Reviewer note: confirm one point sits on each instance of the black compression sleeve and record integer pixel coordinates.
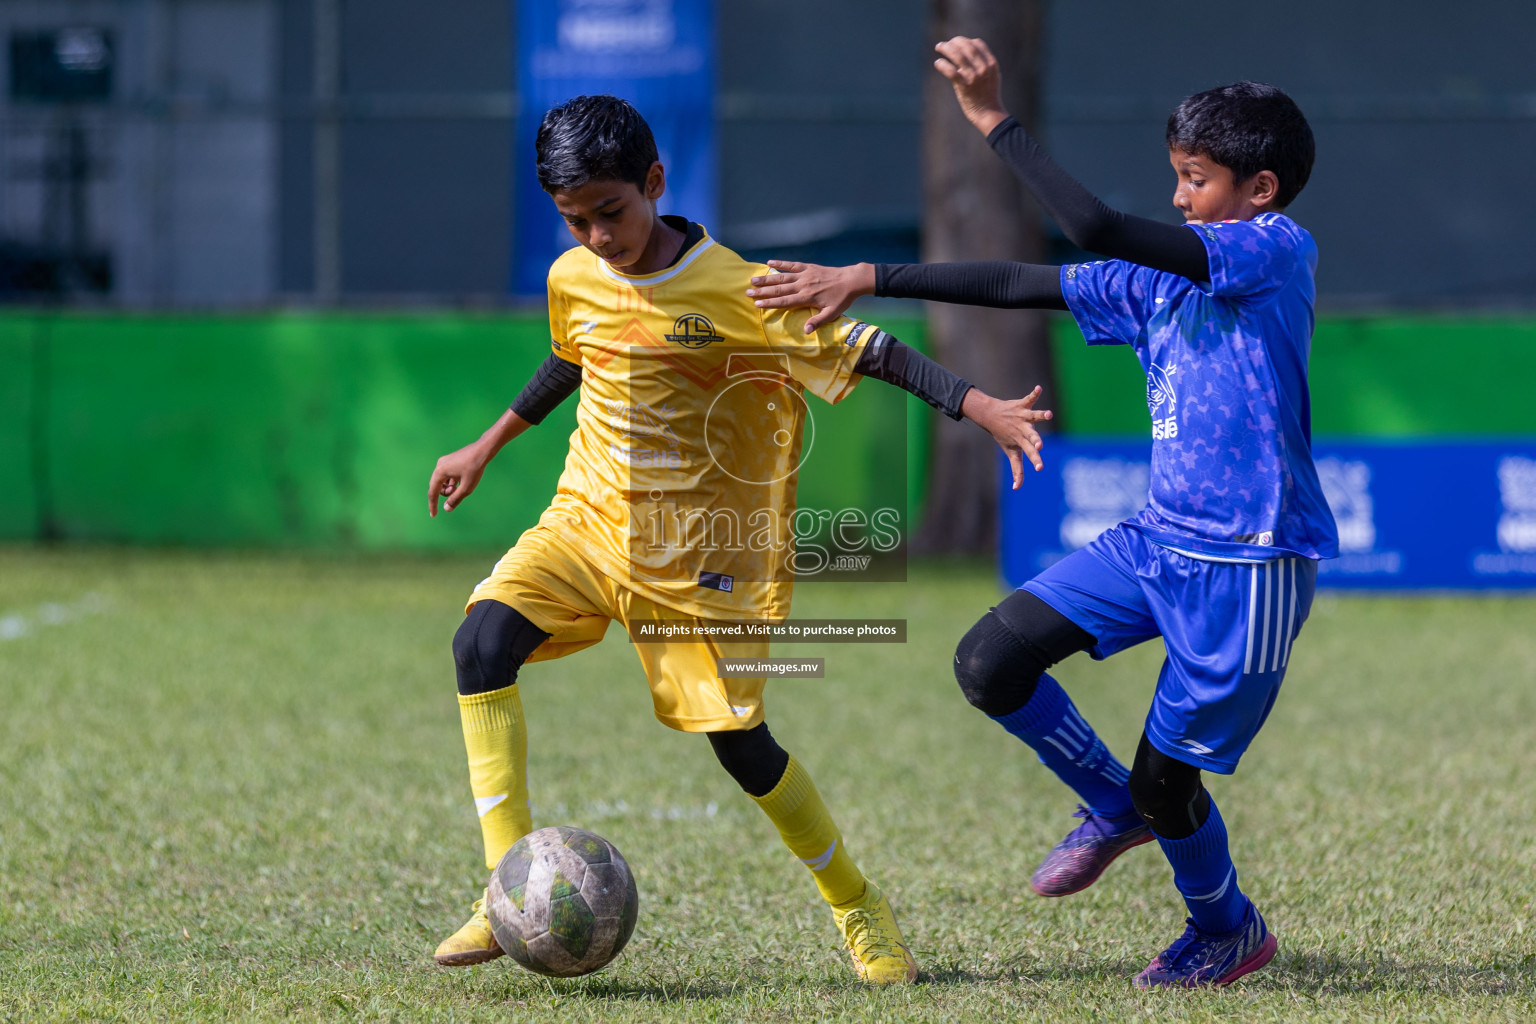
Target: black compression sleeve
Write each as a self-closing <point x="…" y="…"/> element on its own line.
<point x="1091" y="225"/>
<point x="887" y="359"/>
<point x="554" y="382"/>
<point x="998" y="283"/>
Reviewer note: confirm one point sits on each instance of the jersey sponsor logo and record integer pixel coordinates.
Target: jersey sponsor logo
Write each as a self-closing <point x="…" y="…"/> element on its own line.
<point x="693" y="330"/>
<point x="717" y="581"/>
<point x="645" y="458"/>
<point x="642" y="421"/>
<point x="649" y="428"/>
<point x="1163" y="401"/>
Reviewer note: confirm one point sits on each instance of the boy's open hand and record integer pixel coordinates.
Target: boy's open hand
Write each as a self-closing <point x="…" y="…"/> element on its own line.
<point x="830" y="290"/>
<point x="455" y="477"/>
<point x="1011" y="425"/>
<point x="973" y="71"/>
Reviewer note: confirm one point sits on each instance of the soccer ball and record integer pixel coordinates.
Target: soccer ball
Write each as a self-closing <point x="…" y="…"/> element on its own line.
<point x="562" y="902"/>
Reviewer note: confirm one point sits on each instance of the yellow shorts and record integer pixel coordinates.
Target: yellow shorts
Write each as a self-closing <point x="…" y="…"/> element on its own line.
<point x="567" y="597"/>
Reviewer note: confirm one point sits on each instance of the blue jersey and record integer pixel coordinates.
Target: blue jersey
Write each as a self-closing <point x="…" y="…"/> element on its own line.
<point x="1226" y="365"/>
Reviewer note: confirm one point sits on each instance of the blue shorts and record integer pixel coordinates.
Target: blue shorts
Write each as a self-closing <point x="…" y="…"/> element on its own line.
<point x="1227" y="627"/>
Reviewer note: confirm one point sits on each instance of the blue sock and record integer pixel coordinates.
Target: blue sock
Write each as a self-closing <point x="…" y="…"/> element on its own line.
<point x="1203" y="872"/>
<point x="1068" y="746"/>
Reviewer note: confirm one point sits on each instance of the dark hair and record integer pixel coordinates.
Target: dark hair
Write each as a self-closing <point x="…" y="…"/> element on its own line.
<point x="593" y="138"/>
<point x="1247" y="127"/>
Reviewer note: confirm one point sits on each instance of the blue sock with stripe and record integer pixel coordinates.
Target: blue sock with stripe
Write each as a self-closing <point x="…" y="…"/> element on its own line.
<point x="1205" y="877"/>
<point x="1068" y="746"/>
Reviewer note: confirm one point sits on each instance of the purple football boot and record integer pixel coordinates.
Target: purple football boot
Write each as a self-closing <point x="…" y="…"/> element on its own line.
<point x="1078" y="860"/>
<point x="1206" y="959"/>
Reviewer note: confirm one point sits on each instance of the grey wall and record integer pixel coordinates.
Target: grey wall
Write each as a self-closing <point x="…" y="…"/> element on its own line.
<point x="426" y="145"/>
<point x="821" y="115"/>
<point x="818" y="136"/>
<point x="1425" y="116"/>
<point x="184" y="194"/>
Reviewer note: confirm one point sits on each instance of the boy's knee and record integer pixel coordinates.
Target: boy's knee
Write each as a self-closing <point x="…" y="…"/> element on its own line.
<point x="1001" y="659"/>
<point x="996" y="669"/>
<point x="490" y="646"/>
<point x="752" y="757"/>
<point x="1168" y="793"/>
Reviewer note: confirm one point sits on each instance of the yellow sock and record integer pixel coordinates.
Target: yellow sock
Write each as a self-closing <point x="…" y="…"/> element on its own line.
<point x="796" y="810"/>
<point x="497" y="742"/>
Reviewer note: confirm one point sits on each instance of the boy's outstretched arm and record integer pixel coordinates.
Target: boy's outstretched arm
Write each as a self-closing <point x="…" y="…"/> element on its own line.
<point x="831" y="290"/>
<point x="457" y="474"/>
<point x="1089" y="224"/>
<point x="1011" y="423"/>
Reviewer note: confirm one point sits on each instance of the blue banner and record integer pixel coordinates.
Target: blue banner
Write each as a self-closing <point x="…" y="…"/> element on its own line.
<point x="1426" y="515"/>
<point x="659" y="55"/>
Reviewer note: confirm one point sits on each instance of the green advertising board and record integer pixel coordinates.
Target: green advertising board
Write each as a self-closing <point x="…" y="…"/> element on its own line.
<point x="321" y="430"/>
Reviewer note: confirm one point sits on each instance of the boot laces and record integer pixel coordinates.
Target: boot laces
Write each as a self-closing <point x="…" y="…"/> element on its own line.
<point x="1188" y="947"/>
<point x="865" y="938"/>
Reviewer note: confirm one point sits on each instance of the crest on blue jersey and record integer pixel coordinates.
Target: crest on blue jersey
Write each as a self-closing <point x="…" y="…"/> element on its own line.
<point x="1160" y="388"/>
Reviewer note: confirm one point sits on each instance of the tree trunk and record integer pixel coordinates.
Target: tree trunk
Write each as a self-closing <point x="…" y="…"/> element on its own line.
<point x="975" y="209"/>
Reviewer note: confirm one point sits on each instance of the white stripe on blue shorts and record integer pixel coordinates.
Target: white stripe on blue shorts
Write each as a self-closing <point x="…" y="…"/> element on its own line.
<point x="1272" y="603"/>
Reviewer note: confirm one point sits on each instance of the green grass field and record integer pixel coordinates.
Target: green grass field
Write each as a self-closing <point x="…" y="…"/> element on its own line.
<point x="234" y="789"/>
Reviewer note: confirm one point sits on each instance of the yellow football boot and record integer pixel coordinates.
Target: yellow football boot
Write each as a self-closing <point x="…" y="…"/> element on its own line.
<point x="472" y="944"/>
<point x="879" y="953"/>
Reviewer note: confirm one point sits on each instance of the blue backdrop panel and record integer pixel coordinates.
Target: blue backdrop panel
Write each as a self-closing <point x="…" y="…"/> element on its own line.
<point x="1427" y="515"/>
<point x="659" y="55"/>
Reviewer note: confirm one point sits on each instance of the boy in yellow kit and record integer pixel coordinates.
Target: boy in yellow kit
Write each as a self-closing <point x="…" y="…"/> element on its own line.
<point x="677" y="498"/>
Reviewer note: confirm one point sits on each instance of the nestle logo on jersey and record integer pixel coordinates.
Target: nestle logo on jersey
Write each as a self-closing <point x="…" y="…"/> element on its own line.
<point x="1162" y="401"/>
<point x="693" y="330"/>
<point x="659" y="458"/>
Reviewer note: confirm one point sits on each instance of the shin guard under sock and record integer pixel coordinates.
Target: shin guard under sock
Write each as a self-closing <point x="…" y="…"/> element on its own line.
<point x="1203" y="872"/>
<point x="496" y="740"/>
<point x="796" y="810"/>
<point x="1068" y="746"/>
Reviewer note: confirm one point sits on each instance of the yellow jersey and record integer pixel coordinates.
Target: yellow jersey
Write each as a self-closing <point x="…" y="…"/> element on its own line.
<point x="680" y="481"/>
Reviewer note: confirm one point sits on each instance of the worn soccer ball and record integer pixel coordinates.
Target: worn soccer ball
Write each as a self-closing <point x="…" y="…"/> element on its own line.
<point x="562" y="902"/>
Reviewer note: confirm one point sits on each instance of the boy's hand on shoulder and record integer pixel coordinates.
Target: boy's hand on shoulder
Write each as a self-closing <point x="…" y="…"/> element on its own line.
<point x="456" y="476"/>
<point x="978" y="81"/>
<point x="1011" y="424"/>
<point x="829" y="290"/>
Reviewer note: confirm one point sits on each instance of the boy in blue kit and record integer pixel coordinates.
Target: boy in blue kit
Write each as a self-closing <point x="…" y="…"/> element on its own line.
<point x="1222" y="562"/>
